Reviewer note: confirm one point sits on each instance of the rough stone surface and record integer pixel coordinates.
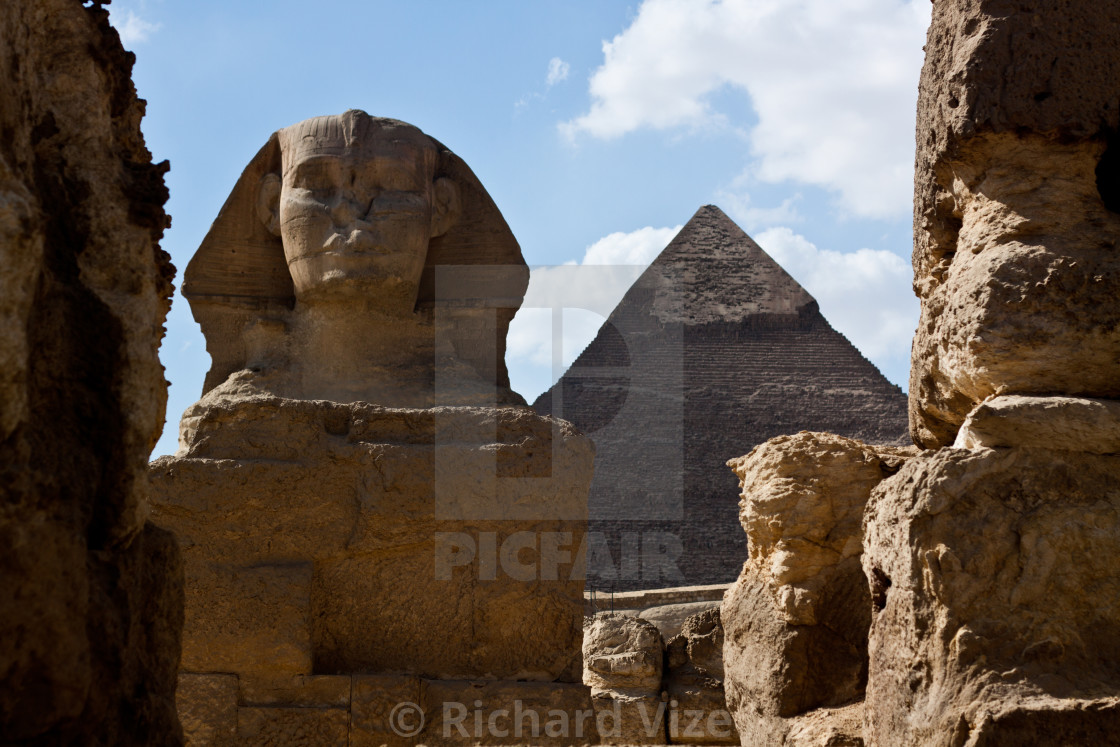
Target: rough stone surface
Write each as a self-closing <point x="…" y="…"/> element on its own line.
<point x="371" y="710"/>
<point x="330" y="691"/>
<point x="323" y="507"/>
<point x="694" y="682"/>
<point x="701" y="644"/>
<point x="1068" y="423"/>
<point x="544" y="713"/>
<point x="996" y="592"/>
<point x="796" y="621"/>
<point x="630" y="719"/>
<point x="623" y="654"/>
<point x="293" y="727"/>
<point x="713" y="350"/>
<point x="827" y="727"/>
<point x="251" y="620"/>
<point x="92" y="597"/>
<point x="207" y="705"/>
<point x="1017" y="193"/>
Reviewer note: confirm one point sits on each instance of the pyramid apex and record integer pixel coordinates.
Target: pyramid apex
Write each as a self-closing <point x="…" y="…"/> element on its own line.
<point x="719" y="274"/>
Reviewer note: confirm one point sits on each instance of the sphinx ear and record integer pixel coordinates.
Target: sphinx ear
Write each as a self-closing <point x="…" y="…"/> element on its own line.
<point x="268" y="203"/>
<point x="445" y="206"/>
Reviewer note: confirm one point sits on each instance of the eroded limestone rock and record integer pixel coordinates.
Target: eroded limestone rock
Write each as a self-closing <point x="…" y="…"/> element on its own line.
<point x="92" y="596"/>
<point x="795" y="623"/>
<point x="1067" y="423"/>
<point x="622" y="653"/>
<point x="1017" y="193"/>
<point x="997" y="599"/>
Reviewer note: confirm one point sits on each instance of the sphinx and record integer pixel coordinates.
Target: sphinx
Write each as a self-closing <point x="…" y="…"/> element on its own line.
<point x="367" y="511"/>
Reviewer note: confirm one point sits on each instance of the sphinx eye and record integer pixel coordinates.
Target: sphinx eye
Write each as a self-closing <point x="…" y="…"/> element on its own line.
<point x="315" y="176"/>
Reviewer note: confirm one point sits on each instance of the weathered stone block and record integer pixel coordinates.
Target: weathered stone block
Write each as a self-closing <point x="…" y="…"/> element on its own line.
<point x="694" y="682"/>
<point x="207" y="705"/>
<point x="387" y="710"/>
<point x="320" y="691"/>
<point x="622" y="653"/>
<point x="253" y="621"/>
<point x="293" y="727"/>
<point x="630" y="719"/>
<point x="505" y="712"/>
<point x="996" y="585"/>
<point x="1066" y="423"/>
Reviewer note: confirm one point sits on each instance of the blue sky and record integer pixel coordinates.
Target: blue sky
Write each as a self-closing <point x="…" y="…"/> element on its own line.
<point x="597" y="126"/>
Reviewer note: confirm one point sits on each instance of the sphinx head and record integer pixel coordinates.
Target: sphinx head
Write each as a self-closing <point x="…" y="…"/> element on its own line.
<point x="355" y="213"/>
<point x="356" y="202"/>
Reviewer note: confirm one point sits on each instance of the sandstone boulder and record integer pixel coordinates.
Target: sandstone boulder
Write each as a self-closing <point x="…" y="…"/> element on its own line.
<point x="1067" y="423"/>
<point x="1017" y="206"/>
<point x="92" y="596"/>
<point x="996" y="585"/>
<point x="795" y="623"/>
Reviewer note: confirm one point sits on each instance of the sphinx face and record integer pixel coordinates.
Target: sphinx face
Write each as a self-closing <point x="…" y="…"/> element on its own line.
<point x="355" y="215"/>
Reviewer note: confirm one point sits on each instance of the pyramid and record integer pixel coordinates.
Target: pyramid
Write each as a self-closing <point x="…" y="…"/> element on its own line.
<point x="713" y="350"/>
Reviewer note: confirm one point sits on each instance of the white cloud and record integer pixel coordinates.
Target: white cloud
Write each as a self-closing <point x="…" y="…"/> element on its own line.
<point x="833" y="84"/>
<point x="557" y="71"/>
<point x="635" y="248"/>
<point x="134" y="30"/>
<point x="753" y="217"/>
<point x="866" y="295"/>
<point x="587" y="292"/>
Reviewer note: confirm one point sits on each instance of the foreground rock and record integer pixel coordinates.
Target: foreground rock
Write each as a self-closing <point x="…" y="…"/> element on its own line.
<point x="92" y="596"/>
<point x="996" y="583"/>
<point x="1017" y="193"/>
<point x="796" y="621"/>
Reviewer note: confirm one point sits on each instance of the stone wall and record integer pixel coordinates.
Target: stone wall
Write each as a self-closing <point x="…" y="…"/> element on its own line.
<point x="89" y="638"/>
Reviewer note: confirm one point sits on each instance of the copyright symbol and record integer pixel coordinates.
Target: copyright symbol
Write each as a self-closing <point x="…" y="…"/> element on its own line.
<point x="406" y="719"/>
